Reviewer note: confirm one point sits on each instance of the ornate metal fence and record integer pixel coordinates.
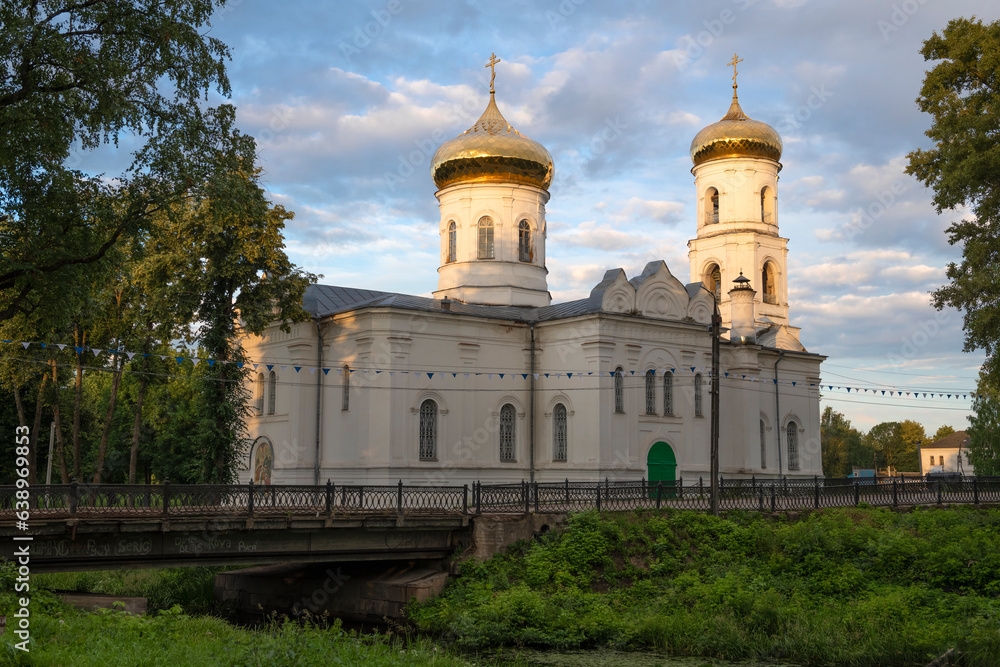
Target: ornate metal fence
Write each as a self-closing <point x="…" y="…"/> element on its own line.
<point x="768" y="495"/>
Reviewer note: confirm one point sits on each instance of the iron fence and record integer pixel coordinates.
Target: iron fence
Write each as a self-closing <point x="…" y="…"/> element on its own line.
<point x="243" y="500"/>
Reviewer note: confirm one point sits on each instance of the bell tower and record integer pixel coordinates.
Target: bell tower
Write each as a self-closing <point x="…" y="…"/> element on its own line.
<point x="736" y="165"/>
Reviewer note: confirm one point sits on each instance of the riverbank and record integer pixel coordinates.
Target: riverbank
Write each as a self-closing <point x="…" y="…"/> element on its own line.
<point x="837" y="587"/>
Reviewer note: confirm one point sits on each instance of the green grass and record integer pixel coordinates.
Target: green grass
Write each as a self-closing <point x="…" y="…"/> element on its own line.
<point x="841" y="587"/>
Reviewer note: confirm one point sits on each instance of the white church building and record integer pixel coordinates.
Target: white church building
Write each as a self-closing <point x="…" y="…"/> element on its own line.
<point x="489" y="380"/>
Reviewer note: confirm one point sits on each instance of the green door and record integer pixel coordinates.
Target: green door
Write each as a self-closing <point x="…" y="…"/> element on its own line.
<point x="662" y="468"/>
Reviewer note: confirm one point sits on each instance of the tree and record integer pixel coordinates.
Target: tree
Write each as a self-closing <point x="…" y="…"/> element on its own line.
<point x="962" y="94"/>
<point x="843" y="449"/>
<point x="896" y="443"/>
<point x="76" y="75"/>
<point x="984" y="429"/>
<point x="942" y="432"/>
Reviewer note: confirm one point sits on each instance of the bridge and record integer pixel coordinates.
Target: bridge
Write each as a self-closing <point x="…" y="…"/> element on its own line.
<point x="107" y="526"/>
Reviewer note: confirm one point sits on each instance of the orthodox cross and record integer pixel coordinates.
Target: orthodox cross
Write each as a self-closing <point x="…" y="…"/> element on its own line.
<point x="735" y="61"/>
<point x="493" y="72"/>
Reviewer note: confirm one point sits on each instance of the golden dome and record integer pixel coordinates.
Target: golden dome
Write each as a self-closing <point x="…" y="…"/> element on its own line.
<point x="492" y="150"/>
<point x="736" y="135"/>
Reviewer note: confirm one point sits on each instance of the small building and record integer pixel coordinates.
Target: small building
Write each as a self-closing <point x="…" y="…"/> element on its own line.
<point x="949" y="454"/>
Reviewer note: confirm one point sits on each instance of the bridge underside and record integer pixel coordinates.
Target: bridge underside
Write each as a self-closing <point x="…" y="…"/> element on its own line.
<point x="71" y="545"/>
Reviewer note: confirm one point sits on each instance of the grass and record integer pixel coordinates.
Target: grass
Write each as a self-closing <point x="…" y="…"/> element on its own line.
<point x="840" y="587"/>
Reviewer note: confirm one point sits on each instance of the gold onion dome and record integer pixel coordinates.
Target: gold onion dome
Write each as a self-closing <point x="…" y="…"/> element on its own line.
<point x="736" y="135"/>
<point x="492" y="150"/>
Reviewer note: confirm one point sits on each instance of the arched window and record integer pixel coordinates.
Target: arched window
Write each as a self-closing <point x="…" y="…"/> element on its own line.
<point x="793" y="446"/>
<point x="713" y="280"/>
<point x="345" y="387"/>
<point x="650" y="392"/>
<point x="697" y="396"/>
<point x="486" y="239"/>
<point x="766" y="211"/>
<point x="452" y="241"/>
<point x="559" y="433"/>
<point x="668" y="394"/>
<point x="763" y="446"/>
<point x="272" y="395"/>
<point x="619" y="390"/>
<point x="524" y="249"/>
<point x="507" y="439"/>
<point x="712" y="206"/>
<point x="768" y="281"/>
<point x="428" y="430"/>
<point x="260" y="393"/>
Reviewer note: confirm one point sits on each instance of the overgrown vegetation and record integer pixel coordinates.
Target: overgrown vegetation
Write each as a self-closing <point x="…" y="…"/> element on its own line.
<point x="842" y="587"/>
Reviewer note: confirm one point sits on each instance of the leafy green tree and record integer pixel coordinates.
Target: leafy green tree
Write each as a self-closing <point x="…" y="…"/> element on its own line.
<point x="842" y="445"/>
<point x="984" y="429"/>
<point x="962" y="94"/>
<point x="77" y="75"/>
<point x="942" y="432"/>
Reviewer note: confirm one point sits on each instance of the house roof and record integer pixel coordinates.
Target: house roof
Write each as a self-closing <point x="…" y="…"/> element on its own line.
<point x="957" y="440"/>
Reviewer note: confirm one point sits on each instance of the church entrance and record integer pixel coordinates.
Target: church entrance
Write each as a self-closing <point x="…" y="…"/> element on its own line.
<point x="662" y="466"/>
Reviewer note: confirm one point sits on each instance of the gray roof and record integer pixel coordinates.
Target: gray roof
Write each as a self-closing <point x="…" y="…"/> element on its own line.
<point x="326" y="300"/>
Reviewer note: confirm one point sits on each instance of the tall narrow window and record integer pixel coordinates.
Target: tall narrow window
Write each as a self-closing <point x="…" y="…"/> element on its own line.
<point x="345" y="387"/>
<point x="559" y="433"/>
<point x="452" y="241"/>
<point x="712" y="206"/>
<point x="793" y="446"/>
<point x="272" y="394"/>
<point x="768" y="282"/>
<point x="763" y="446"/>
<point x="428" y="430"/>
<point x="766" y="205"/>
<point x="507" y="440"/>
<point x="619" y="390"/>
<point x="668" y="394"/>
<point x="524" y="249"/>
<point x="260" y="393"/>
<point x="713" y="280"/>
<point x="650" y="392"/>
<point x="697" y="396"/>
<point x="486" y="239"/>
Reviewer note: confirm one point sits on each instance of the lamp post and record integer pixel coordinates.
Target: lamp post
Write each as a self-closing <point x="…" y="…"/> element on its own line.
<point x="714" y="488"/>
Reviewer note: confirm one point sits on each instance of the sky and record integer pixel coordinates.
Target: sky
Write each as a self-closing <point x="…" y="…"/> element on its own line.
<point x="348" y="101"/>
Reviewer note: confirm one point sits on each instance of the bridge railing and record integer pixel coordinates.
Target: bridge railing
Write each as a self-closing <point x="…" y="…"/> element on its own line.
<point x="167" y="499"/>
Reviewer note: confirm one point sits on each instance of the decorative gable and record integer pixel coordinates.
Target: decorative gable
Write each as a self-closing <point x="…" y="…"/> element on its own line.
<point x="659" y="294"/>
<point x="614" y="294"/>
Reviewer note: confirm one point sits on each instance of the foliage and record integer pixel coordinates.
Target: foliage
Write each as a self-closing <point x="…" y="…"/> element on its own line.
<point x="962" y="95"/>
<point x="842" y="445"/>
<point x="984" y="429"/>
<point x="859" y="587"/>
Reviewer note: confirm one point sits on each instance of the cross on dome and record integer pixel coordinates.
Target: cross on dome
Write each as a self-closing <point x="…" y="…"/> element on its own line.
<point x="734" y="62"/>
<point x="493" y="72"/>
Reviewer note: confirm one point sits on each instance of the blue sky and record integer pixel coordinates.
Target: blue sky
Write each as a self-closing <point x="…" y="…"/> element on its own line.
<point x="349" y="100"/>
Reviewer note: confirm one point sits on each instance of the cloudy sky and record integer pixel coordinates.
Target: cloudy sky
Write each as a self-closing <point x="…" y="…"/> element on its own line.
<point x="349" y="100"/>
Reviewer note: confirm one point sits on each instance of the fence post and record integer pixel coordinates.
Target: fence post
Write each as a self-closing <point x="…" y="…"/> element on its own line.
<point x="895" y="496"/>
<point x="659" y="492"/>
<point x="816" y="494"/>
<point x="525" y="496"/>
<point x="536" y="496"/>
<point x="329" y="495"/>
<point x="857" y="494"/>
<point x="479" y="497"/>
<point x="938" y="491"/>
<point x="72" y="498"/>
<point x="701" y="486"/>
<point x="250" y="497"/>
<point x="598" y="496"/>
<point x="361" y="497"/>
<point x="680" y="487"/>
<point x="975" y="491"/>
<point x="760" y="497"/>
<point x="399" y="497"/>
<point x="567" y="493"/>
<point x="772" y="497"/>
<point x="465" y="499"/>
